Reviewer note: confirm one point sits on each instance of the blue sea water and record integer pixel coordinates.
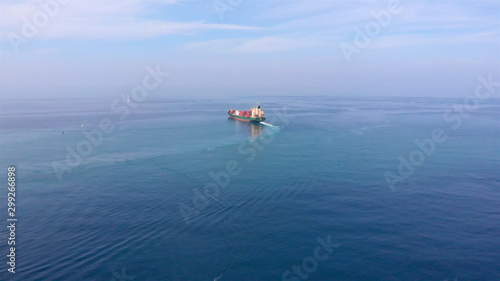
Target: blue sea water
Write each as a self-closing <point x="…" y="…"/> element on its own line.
<point x="175" y="190"/>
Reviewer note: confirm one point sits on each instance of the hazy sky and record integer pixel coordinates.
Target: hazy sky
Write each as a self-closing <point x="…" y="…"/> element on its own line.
<point x="243" y="47"/>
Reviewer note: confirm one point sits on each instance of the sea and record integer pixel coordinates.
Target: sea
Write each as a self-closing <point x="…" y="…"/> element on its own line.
<point x="328" y="188"/>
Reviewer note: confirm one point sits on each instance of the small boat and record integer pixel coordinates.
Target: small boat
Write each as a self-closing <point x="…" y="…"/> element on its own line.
<point x="256" y="114"/>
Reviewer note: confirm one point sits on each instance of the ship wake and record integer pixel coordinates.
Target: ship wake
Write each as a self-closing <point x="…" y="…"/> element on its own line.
<point x="270" y="125"/>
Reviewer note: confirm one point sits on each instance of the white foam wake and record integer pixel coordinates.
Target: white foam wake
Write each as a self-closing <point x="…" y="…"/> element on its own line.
<point x="267" y="124"/>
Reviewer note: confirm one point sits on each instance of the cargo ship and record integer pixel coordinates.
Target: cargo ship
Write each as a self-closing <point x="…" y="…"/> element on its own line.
<point x="256" y="114"/>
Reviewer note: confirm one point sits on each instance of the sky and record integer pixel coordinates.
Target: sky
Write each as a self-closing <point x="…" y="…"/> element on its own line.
<point x="231" y="48"/>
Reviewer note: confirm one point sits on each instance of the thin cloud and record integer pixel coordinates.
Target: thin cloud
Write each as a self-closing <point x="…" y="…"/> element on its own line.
<point x="407" y="40"/>
<point x="272" y="44"/>
<point x="266" y="44"/>
<point x="335" y="21"/>
<point x="112" y="19"/>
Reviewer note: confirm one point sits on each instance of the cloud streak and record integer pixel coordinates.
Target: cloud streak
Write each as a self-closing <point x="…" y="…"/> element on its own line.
<point x="111" y="19"/>
<point x="266" y="44"/>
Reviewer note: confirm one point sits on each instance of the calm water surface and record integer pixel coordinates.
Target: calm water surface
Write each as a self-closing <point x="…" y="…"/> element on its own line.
<point x="134" y="203"/>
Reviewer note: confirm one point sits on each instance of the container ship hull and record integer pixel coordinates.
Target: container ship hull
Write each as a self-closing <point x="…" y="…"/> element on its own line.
<point x="256" y="115"/>
<point x="247" y="119"/>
